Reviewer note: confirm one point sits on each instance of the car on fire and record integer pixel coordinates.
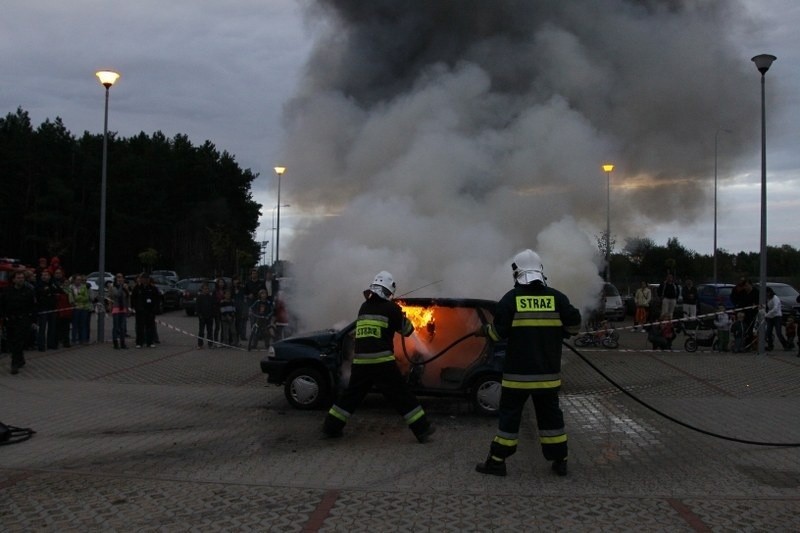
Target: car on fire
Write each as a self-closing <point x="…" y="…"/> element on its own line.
<point x="441" y="358"/>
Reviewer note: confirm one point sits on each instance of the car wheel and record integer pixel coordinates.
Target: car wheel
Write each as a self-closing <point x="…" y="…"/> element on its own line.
<point x="690" y="345"/>
<point x="306" y="388"/>
<point x="486" y="394"/>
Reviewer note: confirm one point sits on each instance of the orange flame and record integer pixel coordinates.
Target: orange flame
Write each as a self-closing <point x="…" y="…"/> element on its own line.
<point x="420" y="317"/>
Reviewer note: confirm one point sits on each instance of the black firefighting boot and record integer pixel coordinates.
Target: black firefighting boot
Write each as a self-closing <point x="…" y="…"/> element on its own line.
<point x="492" y="465"/>
<point x="425" y="435"/>
<point x="560" y="467"/>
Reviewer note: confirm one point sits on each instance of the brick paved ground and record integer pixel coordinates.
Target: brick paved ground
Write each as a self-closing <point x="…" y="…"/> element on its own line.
<point x="179" y="439"/>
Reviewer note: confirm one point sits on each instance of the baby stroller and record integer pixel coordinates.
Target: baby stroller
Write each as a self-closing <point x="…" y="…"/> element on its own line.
<point x="699" y="333"/>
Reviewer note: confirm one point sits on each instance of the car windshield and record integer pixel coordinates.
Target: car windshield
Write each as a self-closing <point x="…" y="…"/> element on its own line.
<point x="725" y="292"/>
<point x="610" y="290"/>
<point x="784" y="291"/>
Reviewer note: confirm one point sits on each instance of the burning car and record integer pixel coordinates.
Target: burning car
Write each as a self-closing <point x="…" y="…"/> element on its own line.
<point x="441" y="357"/>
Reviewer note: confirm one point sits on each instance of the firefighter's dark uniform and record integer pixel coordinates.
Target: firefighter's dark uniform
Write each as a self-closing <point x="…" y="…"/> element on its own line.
<point x="374" y="365"/>
<point x="534" y="318"/>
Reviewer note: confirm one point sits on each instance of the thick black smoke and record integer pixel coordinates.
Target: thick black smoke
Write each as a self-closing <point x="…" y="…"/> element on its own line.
<point x="437" y="138"/>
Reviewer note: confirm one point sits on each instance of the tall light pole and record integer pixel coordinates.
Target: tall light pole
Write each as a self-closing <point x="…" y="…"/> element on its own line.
<point x="279" y="171"/>
<point x="607" y="168"/>
<point x="107" y="79"/>
<point x="763" y="62"/>
<point x="716" y="142"/>
<point x="272" y="253"/>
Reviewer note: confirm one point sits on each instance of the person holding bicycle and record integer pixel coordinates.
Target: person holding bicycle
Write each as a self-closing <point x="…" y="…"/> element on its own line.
<point x="262" y="316"/>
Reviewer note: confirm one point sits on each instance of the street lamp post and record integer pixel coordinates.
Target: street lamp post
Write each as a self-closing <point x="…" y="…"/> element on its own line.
<point x="279" y="171"/>
<point x="763" y="62"/>
<point x="716" y="141"/>
<point x="272" y="253"/>
<point x="107" y="79"/>
<point x="607" y="168"/>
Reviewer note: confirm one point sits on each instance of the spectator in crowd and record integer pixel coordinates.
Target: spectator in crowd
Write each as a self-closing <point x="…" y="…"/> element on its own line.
<point x="745" y="297"/>
<point x="17" y="310"/>
<point x="239" y="295"/>
<point x="81" y="301"/>
<point x="46" y="313"/>
<point x="204" y="309"/>
<point x="262" y="311"/>
<point x="791" y="331"/>
<point x="219" y="293"/>
<point x="41" y="266"/>
<point x="120" y="307"/>
<point x="774" y="319"/>
<point x="144" y="299"/>
<point x="252" y="286"/>
<point x="271" y="284"/>
<point x="55" y="264"/>
<point x="738" y="332"/>
<point x="662" y="333"/>
<point x="668" y="291"/>
<point x="722" y="323"/>
<point x="63" y="307"/>
<point x="689" y="293"/>
<point x="641" y="299"/>
<point x="227" y="317"/>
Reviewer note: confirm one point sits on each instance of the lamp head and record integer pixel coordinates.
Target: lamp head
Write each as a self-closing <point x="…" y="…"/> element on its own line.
<point x="107" y="77"/>
<point x="763" y="62"/>
<point x="608" y="167"/>
<point x="280" y="170"/>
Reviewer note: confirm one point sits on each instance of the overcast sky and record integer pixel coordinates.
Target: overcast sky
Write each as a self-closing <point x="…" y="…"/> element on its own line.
<point x="225" y="71"/>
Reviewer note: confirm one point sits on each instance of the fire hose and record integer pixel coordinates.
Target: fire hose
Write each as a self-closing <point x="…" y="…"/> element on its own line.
<point x="438" y="355"/>
<point x="671" y="418"/>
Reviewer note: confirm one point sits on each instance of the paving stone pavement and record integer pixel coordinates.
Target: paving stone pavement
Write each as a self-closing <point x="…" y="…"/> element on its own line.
<point x="179" y="439"/>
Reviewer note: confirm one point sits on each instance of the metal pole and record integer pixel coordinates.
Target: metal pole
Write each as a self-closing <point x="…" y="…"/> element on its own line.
<point x="716" y="138"/>
<point x="608" y="227"/>
<point x="762" y="277"/>
<point x="278" y="226"/>
<point x="101" y="282"/>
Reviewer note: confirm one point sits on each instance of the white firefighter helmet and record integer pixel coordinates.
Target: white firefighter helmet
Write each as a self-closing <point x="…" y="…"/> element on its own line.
<point x="383" y="285"/>
<point x="528" y="267"/>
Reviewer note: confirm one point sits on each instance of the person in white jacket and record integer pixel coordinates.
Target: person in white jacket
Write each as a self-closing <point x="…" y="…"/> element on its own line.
<point x="773" y="318"/>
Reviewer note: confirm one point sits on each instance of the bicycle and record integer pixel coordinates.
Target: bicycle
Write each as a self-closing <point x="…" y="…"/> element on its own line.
<point x="262" y="328"/>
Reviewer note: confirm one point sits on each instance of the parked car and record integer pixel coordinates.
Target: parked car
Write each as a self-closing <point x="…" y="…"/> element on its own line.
<point x="189" y="288"/>
<point x="93" y="278"/>
<point x="614" y="308"/>
<point x="168" y="274"/>
<point x="711" y="295"/>
<point x="442" y="357"/>
<point x="787" y="294"/>
<point x="170" y="293"/>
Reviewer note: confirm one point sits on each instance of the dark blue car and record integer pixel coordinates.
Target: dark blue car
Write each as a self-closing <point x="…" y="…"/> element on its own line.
<point x="711" y="295"/>
<point x="441" y="357"/>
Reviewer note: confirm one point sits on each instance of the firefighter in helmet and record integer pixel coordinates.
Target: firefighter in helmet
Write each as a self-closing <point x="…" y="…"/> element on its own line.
<point x="379" y="318"/>
<point x="534" y="318"/>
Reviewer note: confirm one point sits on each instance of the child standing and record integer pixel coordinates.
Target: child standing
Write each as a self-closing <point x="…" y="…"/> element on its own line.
<point x="791" y="331"/>
<point x="262" y="313"/>
<point x="723" y="324"/>
<point x="227" y="313"/>
<point x="738" y="329"/>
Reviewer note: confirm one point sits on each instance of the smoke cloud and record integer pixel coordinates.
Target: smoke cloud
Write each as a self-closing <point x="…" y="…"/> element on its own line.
<point x="437" y="139"/>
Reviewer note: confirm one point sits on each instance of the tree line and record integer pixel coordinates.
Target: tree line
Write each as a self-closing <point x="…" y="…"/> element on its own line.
<point x="641" y="259"/>
<point x="170" y="204"/>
